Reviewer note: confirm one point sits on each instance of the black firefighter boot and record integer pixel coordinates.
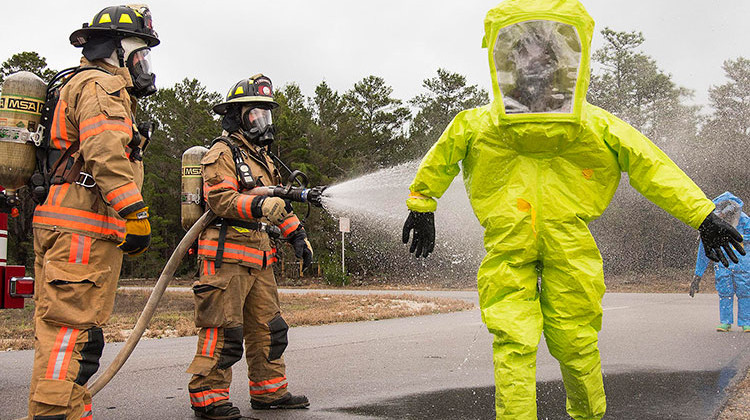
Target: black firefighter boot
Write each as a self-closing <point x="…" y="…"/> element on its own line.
<point x="221" y="411"/>
<point x="287" y="401"/>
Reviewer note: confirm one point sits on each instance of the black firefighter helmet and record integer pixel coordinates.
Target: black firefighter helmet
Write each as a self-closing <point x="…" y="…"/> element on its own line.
<point x="253" y="121"/>
<point x="118" y="22"/>
<point x="257" y="89"/>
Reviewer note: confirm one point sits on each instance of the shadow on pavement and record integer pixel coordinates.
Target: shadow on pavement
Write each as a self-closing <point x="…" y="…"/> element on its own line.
<point x="638" y="395"/>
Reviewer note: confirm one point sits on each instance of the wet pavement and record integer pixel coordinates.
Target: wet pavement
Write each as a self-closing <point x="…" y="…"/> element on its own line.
<point x="637" y="395"/>
<point x="661" y="357"/>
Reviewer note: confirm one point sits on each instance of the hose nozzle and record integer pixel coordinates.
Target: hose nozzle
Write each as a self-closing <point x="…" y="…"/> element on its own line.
<point x="315" y="195"/>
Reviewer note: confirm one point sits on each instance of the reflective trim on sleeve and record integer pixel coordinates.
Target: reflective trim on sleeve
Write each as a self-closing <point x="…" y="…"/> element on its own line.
<point x="289" y="225"/>
<point x="226" y="183"/>
<point x="124" y="196"/>
<point x="86" y="221"/>
<point x="101" y="123"/>
<point x="244" y="203"/>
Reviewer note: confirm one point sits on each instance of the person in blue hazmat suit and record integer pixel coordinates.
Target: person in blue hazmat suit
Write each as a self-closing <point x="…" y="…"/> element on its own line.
<point x="732" y="280"/>
<point x="539" y="163"/>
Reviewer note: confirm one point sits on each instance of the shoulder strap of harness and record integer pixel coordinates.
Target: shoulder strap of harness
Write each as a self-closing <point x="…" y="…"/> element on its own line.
<point x="242" y="169"/>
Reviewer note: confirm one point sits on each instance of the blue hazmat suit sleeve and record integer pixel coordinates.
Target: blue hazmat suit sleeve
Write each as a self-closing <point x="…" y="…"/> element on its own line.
<point x="702" y="261"/>
<point x="651" y="172"/>
<point x="440" y="165"/>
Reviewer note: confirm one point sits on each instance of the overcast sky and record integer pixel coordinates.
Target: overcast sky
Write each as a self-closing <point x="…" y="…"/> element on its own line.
<point x="403" y="41"/>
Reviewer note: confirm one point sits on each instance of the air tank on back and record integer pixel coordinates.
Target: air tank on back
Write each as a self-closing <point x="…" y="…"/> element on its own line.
<point x="191" y="196"/>
<point x="21" y="103"/>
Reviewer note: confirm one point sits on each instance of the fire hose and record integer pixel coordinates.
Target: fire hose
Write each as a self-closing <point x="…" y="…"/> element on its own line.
<point x="153" y="301"/>
<point x="298" y="194"/>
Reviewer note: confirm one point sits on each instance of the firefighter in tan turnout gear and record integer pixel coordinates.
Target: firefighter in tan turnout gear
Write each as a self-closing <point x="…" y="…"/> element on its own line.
<point x="236" y="296"/>
<point x="94" y="211"/>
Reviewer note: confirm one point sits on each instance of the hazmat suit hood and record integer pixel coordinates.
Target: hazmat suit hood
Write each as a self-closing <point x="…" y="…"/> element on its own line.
<point x="729" y="208"/>
<point x="539" y="60"/>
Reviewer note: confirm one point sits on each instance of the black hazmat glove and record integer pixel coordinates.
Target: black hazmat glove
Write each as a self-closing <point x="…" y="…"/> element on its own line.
<point x="423" y="225"/>
<point x="695" y="285"/>
<point x="716" y="235"/>
<point x="302" y="247"/>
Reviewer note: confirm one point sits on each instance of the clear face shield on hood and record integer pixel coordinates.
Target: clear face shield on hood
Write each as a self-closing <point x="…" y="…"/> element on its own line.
<point x="537" y="64"/>
<point x="729" y="211"/>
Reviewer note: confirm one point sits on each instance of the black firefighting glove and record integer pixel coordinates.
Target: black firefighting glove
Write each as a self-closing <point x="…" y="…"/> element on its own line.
<point x="695" y="286"/>
<point x="423" y="225"/>
<point x="302" y="247"/>
<point x="137" y="233"/>
<point x="5" y="206"/>
<point x="716" y="235"/>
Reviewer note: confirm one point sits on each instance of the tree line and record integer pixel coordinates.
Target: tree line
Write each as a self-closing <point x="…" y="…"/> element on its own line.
<point x="333" y="136"/>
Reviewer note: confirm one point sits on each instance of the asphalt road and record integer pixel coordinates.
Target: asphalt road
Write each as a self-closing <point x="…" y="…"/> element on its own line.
<point x="661" y="358"/>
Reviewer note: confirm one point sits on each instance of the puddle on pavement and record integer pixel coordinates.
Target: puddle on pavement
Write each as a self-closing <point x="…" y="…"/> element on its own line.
<point x="639" y="395"/>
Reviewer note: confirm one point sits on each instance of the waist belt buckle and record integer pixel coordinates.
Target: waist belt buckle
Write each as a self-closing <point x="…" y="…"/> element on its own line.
<point x="86" y="180"/>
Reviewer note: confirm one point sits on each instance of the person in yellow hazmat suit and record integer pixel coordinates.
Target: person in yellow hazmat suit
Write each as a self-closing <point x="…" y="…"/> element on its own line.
<point x="539" y="164"/>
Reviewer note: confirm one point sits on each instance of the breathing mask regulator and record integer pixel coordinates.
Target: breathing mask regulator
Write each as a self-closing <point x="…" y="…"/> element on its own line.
<point x="134" y="54"/>
<point x="257" y="125"/>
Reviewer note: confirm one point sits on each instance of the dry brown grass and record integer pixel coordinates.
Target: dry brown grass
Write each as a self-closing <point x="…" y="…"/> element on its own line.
<point x="174" y="318"/>
<point x="738" y="405"/>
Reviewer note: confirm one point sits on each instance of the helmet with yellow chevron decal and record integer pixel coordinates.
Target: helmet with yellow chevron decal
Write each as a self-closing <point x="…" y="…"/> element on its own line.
<point x="118" y="22"/>
<point x="255" y="89"/>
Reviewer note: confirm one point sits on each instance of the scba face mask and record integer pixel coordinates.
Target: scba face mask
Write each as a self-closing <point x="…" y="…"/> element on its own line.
<point x="138" y="61"/>
<point x="258" y="125"/>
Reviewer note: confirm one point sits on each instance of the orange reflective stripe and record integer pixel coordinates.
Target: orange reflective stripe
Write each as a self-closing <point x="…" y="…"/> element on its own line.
<point x="267" y="387"/>
<point x="209" y="342"/>
<point x="244" y="203"/>
<point x="238" y="252"/>
<point x="57" y="193"/>
<point x="73" y="248"/>
<point x="289" y="225"/>
<point x="208" y="268"/>
<point x="100" y="124"/>
<point x="87" y="412"/>
<point x="80" y="249"/>
<point x="208" y="397"/>
<point x="62" y="351"/>
<point x="227" y="183"/>
<point x="79" y="219"/>
<point x="59" y="130"/>
<point x="123" y="196"/>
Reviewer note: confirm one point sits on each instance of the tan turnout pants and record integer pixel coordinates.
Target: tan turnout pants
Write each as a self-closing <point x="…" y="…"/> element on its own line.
<point x="235" y="304"/>
<point x="74" y="292"/>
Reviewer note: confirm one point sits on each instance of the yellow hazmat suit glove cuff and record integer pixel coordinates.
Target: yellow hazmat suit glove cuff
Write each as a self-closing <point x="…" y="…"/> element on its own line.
<point x="421" y="203"/>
